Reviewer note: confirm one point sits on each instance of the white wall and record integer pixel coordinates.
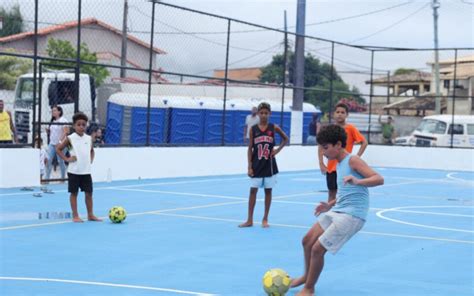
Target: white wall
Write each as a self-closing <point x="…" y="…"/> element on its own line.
<point x="20" y="167"/>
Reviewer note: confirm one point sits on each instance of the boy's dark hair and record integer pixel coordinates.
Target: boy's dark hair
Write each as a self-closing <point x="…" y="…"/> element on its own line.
<point x="342" y="105"/>
<point x="79" y="116"/>
<point x="264" y="105"/>
<point x="331" y="134"/>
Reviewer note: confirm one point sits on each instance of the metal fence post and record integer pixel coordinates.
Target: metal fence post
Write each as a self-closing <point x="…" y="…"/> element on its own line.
<point x="225" y="80"/>
<point x="454" y="94"/>
<point x="371" y="92"/>
<point x="285" y="69"/>
<point x="150" y="72"/>
<point x="331" y="86"/>
<point x="78" y="57"/>
<point x="35" y="84"/>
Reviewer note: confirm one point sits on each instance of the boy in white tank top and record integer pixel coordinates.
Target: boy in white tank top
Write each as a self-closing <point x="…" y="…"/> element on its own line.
<point x="79" y="169"/>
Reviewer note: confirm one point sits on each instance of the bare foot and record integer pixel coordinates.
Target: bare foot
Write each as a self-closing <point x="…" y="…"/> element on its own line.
<point x="77" y="219"/>
<point x="246" y="224"/>
<point x="305" y="292"/>
<point x="93" y="218"/>
<point x="265" y="224"/>
<point x="297" y="282"/>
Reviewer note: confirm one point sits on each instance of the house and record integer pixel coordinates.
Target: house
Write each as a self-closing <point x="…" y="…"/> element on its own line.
<point x="100" y="37"/>
<point x="418" y="89"/>
<point x="241" y="74"/>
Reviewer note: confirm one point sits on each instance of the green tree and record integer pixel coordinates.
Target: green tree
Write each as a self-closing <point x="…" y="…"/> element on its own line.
<point x="64" y="50"/>
<point x="317" y="77"/>
<point x="10" y="69"/>
<point x="401" y="71"/>
<point x="12" y="21"/>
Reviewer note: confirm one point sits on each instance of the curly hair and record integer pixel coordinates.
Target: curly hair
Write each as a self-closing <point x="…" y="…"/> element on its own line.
<point x="79" y="116"/>
<point x="331" y="134"/>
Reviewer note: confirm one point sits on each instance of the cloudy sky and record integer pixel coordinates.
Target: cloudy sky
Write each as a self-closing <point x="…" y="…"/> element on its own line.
<point x="196" y="43"/>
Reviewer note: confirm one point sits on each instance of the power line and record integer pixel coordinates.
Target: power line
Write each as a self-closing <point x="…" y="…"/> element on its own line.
<point x="392" y="25"/>
<point x="195" y="35"/>
<point x="360" y="15"/>
<point x="467" y="2"/>
<point x="267" y="50"/>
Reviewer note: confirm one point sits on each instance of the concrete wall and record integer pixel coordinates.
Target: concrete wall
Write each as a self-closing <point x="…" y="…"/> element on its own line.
<point x="20" y="167"/>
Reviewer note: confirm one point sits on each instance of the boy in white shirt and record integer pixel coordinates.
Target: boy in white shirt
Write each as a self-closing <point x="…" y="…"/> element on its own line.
<point x="79" y="169"/>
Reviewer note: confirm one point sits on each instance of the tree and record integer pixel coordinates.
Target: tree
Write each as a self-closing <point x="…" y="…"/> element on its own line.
<point x="64" y="50"/>
<point x="317" y="77"/>
<point x="401" y="71"/>
<point x="10" y="69"/>
<point x="12" y="21"/>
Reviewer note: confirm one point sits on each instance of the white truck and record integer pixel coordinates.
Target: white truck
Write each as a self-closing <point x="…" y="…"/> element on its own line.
<point x="436" y="130"/>
<point x="57" y="88"/>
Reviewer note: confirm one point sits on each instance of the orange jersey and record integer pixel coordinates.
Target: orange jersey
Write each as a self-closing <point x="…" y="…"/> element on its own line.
<point x="353" y="136"/>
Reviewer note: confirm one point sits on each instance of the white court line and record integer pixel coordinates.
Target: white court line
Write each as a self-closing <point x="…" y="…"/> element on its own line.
<point x="132" y="214"/>
<point x="242" y="200"/>
<point x="161" y="183"/>
<point x="380" y="215"/>
<point x="307" y="227"/>
<point x="181" y="193"/>
<point x="103" y="284"/>
<point x="405" y="183"/>
<point x="434" y="213"/>
<point x="450" y="176"/>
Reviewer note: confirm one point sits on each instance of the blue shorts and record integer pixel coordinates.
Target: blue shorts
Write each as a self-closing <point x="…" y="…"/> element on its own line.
<point x="265" y="182"/>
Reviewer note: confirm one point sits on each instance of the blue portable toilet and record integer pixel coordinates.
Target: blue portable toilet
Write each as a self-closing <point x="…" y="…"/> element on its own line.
<point x="127" y="119"/>
<point x="181" y="120"/>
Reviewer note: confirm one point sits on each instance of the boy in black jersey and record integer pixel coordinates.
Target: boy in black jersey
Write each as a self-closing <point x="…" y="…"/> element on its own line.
<point x="261" y="161"/>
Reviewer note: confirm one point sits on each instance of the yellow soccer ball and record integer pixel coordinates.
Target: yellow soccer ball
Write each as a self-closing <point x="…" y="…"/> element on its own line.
<point x="117" y="214"/>
<point x="276" y="282"/>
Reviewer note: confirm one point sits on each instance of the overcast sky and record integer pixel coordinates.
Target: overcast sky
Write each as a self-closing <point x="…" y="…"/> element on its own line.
<point x="196" y="44"/>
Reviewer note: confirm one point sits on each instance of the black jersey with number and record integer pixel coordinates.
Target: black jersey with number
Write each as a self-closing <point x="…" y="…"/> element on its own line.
<point x="263" y="164"/>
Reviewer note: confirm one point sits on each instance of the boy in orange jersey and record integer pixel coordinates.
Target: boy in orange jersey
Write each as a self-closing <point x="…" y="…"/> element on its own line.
<point x="341" y="112"/>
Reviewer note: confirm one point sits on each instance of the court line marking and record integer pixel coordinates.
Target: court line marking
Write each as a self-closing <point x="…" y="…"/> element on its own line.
<point x="308" y="227"/>
<point x="380" y="215"/>
<point x="396" y="194"/>
<point x="241" y="200"/>
<point x="165" y="212"/>
<point x="450" y="176"/>
<point x="289" y="174"/>
<point x="210" y="179"/>
<point x="131" y="214"/>
<point x="103" y="284"/>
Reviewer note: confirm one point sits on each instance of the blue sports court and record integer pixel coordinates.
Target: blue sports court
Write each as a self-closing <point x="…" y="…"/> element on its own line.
<point x="181" y="238"/>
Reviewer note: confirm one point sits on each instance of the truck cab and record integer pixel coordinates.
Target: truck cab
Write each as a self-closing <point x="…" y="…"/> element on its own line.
<point x="57" y="88"/>
<point x="436" y="130"/>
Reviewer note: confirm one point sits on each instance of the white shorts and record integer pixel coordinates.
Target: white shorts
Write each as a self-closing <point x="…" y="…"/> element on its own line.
<point x="266" y="182"/>
<point x="338" y="229"/>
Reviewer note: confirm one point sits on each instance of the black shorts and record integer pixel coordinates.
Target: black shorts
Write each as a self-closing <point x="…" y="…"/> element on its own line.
<point x="331" y="180"/>
<point x="84" y="182"/>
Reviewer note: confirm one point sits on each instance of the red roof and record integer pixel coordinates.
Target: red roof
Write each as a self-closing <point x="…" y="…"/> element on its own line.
<point x="73" y="24"/>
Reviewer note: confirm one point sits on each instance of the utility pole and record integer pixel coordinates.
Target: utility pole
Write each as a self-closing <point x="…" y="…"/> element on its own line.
<point x="123" y="59"/>
<point x="286" y="79"/>
<point x="435" y="5"/>
<point x="296" y="136"/>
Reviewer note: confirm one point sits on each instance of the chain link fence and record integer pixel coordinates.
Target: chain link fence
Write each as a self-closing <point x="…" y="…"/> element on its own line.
<point x="177" y="76"/>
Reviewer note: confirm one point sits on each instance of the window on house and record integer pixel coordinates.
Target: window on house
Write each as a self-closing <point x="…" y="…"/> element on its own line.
<point x="446" y="84"/>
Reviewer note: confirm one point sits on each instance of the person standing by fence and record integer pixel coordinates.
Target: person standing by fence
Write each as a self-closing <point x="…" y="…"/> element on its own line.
<point x="57" y="133"/>
<point x="7" y="128"/>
